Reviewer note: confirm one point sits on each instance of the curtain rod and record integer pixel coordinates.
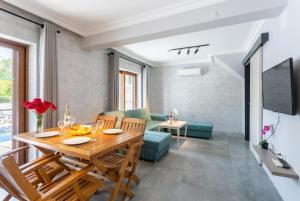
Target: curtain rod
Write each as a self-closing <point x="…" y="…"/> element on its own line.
<point x="24" y="18"/>
<point x="124" y="56"/>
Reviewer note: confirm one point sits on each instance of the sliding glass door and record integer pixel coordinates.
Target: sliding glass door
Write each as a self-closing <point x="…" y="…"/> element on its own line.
<point x="127" y="90"/>
<point x="6" y="92"/>
<point x="13" y="85"/>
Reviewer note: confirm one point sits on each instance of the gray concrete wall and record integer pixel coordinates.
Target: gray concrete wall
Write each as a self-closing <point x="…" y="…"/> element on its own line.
<point x="215" y="96"/>
<point x="83" y="78"/>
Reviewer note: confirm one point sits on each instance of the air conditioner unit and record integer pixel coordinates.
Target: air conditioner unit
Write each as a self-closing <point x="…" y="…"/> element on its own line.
<point x="189" y="71"/>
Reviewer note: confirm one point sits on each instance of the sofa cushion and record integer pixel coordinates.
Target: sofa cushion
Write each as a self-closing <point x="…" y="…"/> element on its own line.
<point x="158" y="117"/>
<point x="156" y="140"/>
<point x="202" y="126"/>
<point x="119" y="114"/>
<point x="141" y="113"/>
<point x="151" y="125"/>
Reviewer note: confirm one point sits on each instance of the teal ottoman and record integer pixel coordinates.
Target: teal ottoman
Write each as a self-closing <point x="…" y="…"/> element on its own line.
<point x="156" y="145"/>
<point x="199" y="130"/>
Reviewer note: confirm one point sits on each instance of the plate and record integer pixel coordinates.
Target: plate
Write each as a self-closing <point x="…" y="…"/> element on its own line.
<point x="47" y="134"/>
<point x="88" y="126"/>
<point x="76" y="140"/>
<point x="112" y="131"/>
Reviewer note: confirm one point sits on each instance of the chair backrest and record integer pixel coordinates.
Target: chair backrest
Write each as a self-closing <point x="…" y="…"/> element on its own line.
<point x="109" y="121"/>
<point x="133" y="125"/>
<point x="14" y="182"/>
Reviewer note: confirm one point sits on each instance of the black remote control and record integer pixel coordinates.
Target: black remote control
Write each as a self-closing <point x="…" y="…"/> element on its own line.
<point x="284" y="163"/>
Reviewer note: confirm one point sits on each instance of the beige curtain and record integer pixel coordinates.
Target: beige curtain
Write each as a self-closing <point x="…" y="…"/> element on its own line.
<point x="146" y="86"/>
<point x="114" y="67"/>
<point x="48" y="58"/>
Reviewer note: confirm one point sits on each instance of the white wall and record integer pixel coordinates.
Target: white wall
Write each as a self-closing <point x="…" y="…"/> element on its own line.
<point x="216" y="96"/>
<point x="284" y="43"/>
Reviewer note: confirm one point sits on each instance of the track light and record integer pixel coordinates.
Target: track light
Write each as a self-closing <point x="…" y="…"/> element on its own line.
<point x="188" y="48"/>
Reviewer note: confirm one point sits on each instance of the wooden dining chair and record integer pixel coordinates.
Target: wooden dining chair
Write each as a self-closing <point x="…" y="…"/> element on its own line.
<point x="115" y="167"/>
<point x="77" y="185"/>
<point x="49" y="166"/>
<point x="133" y="125"/>
<point x="109" y="121"/>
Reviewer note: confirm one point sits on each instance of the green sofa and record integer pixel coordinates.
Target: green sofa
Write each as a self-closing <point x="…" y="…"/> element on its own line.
<point x="156" y="144"/>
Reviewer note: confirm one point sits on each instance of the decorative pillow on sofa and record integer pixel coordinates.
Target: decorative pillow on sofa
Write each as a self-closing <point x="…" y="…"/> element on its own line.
<point x="142" y="113"/>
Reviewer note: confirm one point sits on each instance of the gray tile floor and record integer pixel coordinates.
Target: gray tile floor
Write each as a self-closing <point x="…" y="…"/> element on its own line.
<point x="222" y="169"/>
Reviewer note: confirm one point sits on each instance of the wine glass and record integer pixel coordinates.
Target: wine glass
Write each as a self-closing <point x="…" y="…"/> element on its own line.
<point x="99" y="124"/>
<point x="61" y="125"/>
<point x="72" y="121"/>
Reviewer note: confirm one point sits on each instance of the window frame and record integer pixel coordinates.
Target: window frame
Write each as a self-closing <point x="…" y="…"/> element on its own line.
<point x="122" y="74"/>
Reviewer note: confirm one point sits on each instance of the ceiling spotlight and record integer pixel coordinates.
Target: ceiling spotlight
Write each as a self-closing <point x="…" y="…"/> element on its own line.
<point x="179" y="52"/>
<point x="188" y="51"/>
<point x="197" y="50"/>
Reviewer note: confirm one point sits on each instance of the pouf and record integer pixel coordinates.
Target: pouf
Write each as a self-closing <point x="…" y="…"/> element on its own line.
<point x="156" y="145"/>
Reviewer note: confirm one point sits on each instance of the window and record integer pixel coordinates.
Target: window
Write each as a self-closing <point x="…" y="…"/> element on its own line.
<point x="127" y="90"/>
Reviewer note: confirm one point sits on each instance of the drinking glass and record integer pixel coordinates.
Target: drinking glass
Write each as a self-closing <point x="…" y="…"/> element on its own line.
<point x="72" y="121"/>
<point x="100" y="124"/>
<point x="94" y="132"/>
<point x="61" y="125"/>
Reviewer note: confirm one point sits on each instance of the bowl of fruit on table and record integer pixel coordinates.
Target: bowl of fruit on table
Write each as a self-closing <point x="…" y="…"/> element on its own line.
<point x="79" y="130"/>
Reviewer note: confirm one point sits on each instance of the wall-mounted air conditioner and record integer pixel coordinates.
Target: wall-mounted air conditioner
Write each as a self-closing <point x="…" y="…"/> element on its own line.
<point x="189" y="72"/>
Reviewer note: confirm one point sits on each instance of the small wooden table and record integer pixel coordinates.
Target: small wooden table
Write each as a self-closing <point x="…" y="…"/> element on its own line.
<point x="90" y="151"/>
<point x="174" y="125"/>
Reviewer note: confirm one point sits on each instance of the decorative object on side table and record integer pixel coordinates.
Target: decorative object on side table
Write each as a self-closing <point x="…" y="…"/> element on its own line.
<point x="264" y="138"/>
<point x="39" y="107"/>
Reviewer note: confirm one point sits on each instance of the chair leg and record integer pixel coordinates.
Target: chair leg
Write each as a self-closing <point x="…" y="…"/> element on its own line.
<point x="136" y="179"/>
<point x="114" y="193"/>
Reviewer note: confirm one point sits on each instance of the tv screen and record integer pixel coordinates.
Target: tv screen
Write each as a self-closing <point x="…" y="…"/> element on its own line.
<point x="278" y="89"/>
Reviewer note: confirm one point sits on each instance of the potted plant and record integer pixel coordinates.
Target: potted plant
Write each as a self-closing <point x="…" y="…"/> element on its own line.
<point x="39" y="107"/>
<point x="264" y="138"/>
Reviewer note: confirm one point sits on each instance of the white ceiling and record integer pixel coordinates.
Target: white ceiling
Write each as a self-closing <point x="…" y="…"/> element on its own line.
<point x="224" y="40"/>
<point x="88" y="17"/>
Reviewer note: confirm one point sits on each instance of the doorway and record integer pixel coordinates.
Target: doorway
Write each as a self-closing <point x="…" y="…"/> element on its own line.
<point x="13" y="92"/>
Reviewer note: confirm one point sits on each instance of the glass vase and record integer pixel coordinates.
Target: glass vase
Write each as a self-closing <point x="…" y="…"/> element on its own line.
<point x="39" y="123"/>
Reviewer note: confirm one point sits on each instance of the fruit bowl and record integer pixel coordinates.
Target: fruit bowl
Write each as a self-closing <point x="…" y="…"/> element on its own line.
<point x="80" y="130"/>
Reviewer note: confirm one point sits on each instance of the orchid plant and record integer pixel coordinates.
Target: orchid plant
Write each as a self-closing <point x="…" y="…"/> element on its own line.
<point x="264" y="135"/>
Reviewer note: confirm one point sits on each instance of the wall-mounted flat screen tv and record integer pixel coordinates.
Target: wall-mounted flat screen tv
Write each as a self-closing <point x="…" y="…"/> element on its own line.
<point x="278" y="88"/>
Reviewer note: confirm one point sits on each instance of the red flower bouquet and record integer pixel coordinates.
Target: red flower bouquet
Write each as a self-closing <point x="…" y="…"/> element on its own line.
<point x="39" y="107"/>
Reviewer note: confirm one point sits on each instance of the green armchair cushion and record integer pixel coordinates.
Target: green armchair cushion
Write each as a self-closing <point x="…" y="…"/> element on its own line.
<point x="142" y="113"/>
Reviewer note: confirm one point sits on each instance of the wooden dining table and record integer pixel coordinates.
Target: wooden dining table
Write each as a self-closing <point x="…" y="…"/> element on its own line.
<point x="100" y="145"/>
